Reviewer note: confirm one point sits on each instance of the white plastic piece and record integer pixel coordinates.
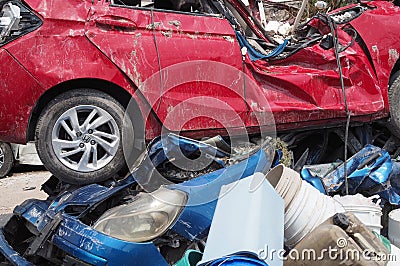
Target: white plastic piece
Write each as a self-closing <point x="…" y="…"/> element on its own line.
<point x="262" y="14"/>
<point x="320" y="4"/>
<point x="394" y="227"/>
<point x="246" y="2"/>
<point x="308" y="210"/>
<point x="305" y="206"/>
<point x="11" y="12"/>
<point x="284" y="29"/>
<point x="26" y="154"/>
<point x="244" y="50"/>
<point x="364" y="209"/>
<point x="5" y="21"/>
<point x="394" y="256"/>
<point x="272" y="26"/>
<point x="248" y="219"/>
<point x="343" y="17"/>
<point x="286" y="182"/>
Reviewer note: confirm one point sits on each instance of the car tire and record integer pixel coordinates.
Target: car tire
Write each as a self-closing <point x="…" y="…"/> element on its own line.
<point x="6" y="159"/>
<point x="394" y="104"/>
<point x="79" y="137"/>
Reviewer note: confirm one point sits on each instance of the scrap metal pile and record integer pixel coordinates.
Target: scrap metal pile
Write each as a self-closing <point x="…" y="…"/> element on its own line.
<point x="328" y="194"/>
<point x="212" y="202"/>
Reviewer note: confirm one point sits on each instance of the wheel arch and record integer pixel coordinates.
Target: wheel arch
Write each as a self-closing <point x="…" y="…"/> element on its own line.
<point x="117" y="92"/>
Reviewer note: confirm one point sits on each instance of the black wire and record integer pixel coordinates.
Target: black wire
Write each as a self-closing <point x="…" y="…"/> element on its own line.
<point x="348" y="114"/>
<point x="354" y="37"/>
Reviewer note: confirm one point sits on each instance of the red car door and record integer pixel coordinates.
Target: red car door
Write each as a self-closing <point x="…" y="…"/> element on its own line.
<point x="202" y="77"/>
<point x="122" y="33"/>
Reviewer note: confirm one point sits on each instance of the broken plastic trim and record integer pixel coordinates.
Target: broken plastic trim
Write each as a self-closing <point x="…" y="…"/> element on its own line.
<point x="16" y="20"/>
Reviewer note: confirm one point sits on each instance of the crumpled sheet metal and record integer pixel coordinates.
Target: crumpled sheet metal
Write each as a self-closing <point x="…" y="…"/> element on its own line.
<point x="377" y="170"/>
<point x="370" y="172"/>
<point x="392" y="191"/>
<point x="83" y="243"/>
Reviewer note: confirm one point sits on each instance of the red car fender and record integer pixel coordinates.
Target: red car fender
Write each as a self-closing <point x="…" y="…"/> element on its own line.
<point x="48" y="63"/>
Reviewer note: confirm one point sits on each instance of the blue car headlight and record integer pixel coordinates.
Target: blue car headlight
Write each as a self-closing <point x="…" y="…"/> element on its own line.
<point x="147" y="217"/>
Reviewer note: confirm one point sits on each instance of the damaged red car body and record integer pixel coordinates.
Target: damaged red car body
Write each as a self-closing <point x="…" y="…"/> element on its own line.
<point x="181" y="65"/>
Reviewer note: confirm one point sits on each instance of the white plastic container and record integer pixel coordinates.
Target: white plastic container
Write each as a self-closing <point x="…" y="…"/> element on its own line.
<point x="364" y="209"/>
<point x="394" y="227"/>
<point x="305" y="206"/>
<point x="286" y="182"/>
<point x="309" y="209"/>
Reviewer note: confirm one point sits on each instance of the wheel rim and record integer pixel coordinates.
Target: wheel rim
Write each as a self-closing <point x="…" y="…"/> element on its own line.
<point x="85" y="138"/>
<point x="1" y="157"/>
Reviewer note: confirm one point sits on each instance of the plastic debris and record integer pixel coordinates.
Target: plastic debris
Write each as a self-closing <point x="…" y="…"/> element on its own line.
<point x="242" y="232"/>
<point x="370" y="172"/>
<point x="364" y="209"/>
<point x="305" y="207"/>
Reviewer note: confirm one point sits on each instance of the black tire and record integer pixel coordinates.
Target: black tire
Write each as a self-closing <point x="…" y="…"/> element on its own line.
<point x="64" y="168"/>
<point x="394" y="104"/>
<point x="6" y="159"/>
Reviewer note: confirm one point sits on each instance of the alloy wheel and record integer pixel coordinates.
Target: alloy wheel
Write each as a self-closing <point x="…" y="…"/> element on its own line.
<point x="85" y="138"/>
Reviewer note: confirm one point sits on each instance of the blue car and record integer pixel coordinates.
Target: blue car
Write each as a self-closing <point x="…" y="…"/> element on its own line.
<point x="151" y="217"/>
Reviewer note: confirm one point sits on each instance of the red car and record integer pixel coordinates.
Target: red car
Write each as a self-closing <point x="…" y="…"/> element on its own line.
<point x="71" y="69"/>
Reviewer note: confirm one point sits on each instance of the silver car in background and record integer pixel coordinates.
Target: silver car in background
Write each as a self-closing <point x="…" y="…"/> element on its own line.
<point x="15" y="154"/>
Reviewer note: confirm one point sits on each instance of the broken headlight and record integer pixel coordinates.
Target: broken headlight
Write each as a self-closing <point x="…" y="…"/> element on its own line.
<point x="16" y="20"/>
<point x="147" y="217"/>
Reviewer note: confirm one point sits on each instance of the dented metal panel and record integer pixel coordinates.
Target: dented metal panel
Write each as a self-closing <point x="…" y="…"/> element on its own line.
<point x="15" y="105"/>
<point x="72" y="10"/>
<point x="382" y="44"/>
<point x="306" y="85"/>
<point x="58" y="53"/>
<point x="208" y="73"/>
<point x="123" y="34"/>
<point x="188" y="67"/>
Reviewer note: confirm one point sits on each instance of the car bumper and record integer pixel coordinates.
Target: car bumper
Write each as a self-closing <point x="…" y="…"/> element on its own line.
<point x="85" y="244"/>
<point x="93" y="247"/>
<point x="10" y="254"/>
